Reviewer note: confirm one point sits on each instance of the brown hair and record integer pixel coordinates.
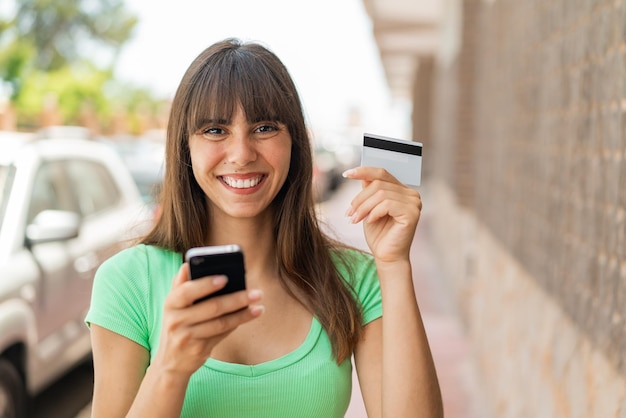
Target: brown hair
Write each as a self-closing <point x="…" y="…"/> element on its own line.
<point x="224" y="75"/>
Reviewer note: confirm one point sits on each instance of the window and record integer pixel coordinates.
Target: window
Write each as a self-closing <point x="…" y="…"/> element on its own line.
<point x="51" y="190"/>
<point x="95" y="189"/>
<point x="7" y="173"/>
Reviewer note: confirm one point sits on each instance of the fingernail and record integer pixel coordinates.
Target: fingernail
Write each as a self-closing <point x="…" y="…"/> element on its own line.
<point x="348" y="173"/>
<point x="255" y="294"/>
<point x="350" y="211"/>
<point x="257" y="309"/>
<point x="219" y="280"/>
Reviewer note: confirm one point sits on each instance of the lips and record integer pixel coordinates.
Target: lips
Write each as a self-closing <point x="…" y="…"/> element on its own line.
<point x="238" y="183"/>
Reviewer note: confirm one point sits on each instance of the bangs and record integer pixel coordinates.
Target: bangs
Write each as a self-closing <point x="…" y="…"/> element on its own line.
<point x="235" y="78"/>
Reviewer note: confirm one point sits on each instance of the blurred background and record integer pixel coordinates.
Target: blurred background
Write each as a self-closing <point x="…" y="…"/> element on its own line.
<point x="521" y="107"/>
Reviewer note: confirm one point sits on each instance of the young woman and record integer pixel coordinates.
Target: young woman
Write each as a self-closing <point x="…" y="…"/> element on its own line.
<point x="239" y="171"/>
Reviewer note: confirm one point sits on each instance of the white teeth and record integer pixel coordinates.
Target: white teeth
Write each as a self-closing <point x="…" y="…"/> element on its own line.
<point x="242" y="184"/>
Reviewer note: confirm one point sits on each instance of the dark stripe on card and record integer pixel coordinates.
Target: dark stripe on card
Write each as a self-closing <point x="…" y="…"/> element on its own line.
<point x="385" y="144"/>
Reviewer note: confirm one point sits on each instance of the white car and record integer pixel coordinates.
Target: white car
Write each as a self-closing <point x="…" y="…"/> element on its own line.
<point x="65" y="206"/>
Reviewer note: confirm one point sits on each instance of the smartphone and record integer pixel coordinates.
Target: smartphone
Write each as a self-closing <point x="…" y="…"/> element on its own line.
<point x="218" y="260"/>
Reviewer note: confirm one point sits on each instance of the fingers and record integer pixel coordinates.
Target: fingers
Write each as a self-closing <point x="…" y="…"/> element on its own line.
<point x="382" y="195"/>
<point x="211" y="317"/>
<point x="185" y="291"/>
<point x="219" y="315"/>
<point x="191" y="330"/>
<point x="369" y="174"/>
<point x="222" y="305"/>
<point x="226" y="323"/>
<point x="182" y="275"/>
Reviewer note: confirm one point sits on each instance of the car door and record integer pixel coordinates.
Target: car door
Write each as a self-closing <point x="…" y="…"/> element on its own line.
<point x="100" y="205"/>
<point x="51" y="190"/>
<point x="86" y="187"/>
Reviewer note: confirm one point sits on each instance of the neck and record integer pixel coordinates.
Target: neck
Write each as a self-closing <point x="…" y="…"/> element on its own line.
<point x="255" y="236"/>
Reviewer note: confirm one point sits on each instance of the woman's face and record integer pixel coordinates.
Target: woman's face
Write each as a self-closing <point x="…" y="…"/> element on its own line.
<point x="240" y="166"/>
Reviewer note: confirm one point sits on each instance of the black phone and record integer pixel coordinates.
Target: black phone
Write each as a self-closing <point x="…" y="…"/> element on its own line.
<point x="218" y="260"/>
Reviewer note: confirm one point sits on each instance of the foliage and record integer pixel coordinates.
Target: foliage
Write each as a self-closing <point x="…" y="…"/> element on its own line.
<point x="75" y="90"/>
<point x="42" y="60"/>
<point x="14" y="64"/>
<point x="63" y="31"/>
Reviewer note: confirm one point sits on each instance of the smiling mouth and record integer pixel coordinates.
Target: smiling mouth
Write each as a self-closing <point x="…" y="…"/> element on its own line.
<point x="242" y="183"/>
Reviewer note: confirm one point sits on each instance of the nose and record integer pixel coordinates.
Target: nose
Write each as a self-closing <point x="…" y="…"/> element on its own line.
<point x="241" y="150"/>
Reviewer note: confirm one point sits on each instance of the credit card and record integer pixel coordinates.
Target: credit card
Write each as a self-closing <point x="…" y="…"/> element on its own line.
<point x="402" y="159"/>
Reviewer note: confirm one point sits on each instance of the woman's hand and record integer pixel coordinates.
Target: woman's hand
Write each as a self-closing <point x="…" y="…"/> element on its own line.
<point x="191" y="331"/>
<point x="389" y="210"/>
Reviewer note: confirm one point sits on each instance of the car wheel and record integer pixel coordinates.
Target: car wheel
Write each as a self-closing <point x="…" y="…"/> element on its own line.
<point x="12" y="392"/>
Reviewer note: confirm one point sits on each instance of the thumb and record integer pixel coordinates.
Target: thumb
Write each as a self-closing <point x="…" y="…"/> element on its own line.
<point x="182" y="276"/>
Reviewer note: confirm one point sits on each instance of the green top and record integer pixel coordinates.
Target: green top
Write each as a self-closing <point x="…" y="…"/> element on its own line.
<point x="128" y="295"/>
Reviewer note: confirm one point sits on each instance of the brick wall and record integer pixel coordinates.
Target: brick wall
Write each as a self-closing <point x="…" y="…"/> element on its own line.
<point x="421" y="114"/>
<point x="530" y="134"/>
<point x="456" y="117"/>
<point x="533" y="360"/>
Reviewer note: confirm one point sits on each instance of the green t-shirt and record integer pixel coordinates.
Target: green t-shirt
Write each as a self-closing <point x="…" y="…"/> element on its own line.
<point x="128" y="295"/>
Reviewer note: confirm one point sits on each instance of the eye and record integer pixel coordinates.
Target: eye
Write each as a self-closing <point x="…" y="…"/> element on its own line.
<point x="268" y="129"/>
<point x="212" y="132"/>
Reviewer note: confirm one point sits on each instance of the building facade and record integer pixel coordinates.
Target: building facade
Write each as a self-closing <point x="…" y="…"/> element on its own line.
<point x="521" y="106"/>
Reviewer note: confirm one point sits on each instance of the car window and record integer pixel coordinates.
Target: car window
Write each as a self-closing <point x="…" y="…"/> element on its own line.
<point x="94" y="186"/>
<point x="51" y="190"/>
<point x="7" y="173"/>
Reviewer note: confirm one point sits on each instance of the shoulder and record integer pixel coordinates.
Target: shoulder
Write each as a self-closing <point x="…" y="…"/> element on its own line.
<point x="138" y="261"/>
<point x="358" y="269"/>
<point x="352" y="264"/>
<point x="134" y="276"/>
<point x="138" y="255"/>
<point x="128" y="289"/>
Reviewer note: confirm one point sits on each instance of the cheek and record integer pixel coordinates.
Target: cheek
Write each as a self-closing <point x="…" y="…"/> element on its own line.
<point x="284" y="160"/>
<point x="286" y="154"/>
<point x="277" y="155"/>
<point x="199" y="168"/>
<point x="202" y="158"/>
